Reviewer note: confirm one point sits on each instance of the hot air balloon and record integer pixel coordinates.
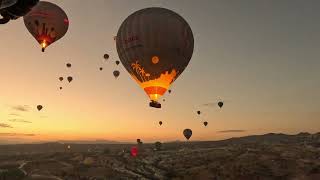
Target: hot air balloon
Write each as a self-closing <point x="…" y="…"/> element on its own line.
<point x="13" y="9"/>
<point x="198" y="112"/>
<point x="47" y="23"/>
<point x="69" y="78"/>
<point x="68" y="65"/>
<point x="205" y="123"/>
<point x="134" y="151"/>
<point x="169" y="91"/>
<point x="220" y="104"/>
<point x="106" y="56"/>
<point x="155" y="45"/>
<point x="60" y="88"/>
<point x="39" y="107"/>
<point x="100" y="68"/>
<point x="60" y="78"/>
<point x="187" y="133"/>
<point x="117" y="62"/>
<point x="116" y="73"/>
<point x="160" y="122"/>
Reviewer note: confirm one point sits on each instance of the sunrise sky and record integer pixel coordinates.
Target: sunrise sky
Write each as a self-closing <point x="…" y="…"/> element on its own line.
<point x="261" y="57"/>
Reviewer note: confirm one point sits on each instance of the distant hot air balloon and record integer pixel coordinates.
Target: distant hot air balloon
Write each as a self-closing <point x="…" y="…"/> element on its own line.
<point x="39" y="107"/>
<point x="117" y="62"/>
<point x="100" y="68"/>
<point x="160" y="122"/>
<point x="47" y="23"/>
<point x="68" y="65"/>
<point x="155" y="45"/>
<point x="169" y="91"/>
<point x="60" y="88"/>
<point x="106" y="56"/>
<point x="199" y="112"/>
<point x="60" y="78"/>
<point x="116" y="73"/>
<point x="69" y="78"/>
<point x="13" y="9"/>
<point x="187" y="133"/>
<point x="205" y="123"/>
<point x="134" y="151"/>
<point x="220" y="104"/>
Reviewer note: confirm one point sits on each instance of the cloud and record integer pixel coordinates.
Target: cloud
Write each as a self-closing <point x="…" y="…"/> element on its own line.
<point x="232" y="131"/>
<point x="3" y="125"/>
<point x="19" y="120"/>
<point x="23" y="108"/>
<point x="16" y="134"/>
<point x="14" y="114"/>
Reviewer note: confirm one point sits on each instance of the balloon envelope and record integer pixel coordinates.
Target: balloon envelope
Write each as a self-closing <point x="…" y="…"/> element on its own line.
<point x="69" y="78"/>
<point x="7" y="3"/>
<point x="187" y="133"/>
<point x="116" y="73"/>
<point x="39" y="107"/>
<point x="155" y="45"/>
<point x="134" y="151"/>
<point x="220" y="104"/>
<point x="47" y="23"/>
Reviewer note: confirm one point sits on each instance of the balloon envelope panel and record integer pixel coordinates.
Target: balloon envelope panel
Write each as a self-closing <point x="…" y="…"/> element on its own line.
<point x="47" y="23"/>
<point x="155" y="45"/>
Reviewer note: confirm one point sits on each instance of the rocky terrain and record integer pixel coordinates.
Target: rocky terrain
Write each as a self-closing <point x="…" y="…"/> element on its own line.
<point x="263" y="157"/>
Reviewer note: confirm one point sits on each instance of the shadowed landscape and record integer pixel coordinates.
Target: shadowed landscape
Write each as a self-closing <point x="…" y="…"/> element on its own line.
<point x="269" y="156"/>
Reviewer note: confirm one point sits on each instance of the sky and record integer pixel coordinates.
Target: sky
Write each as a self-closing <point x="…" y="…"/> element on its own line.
<point x="260" y="57"/>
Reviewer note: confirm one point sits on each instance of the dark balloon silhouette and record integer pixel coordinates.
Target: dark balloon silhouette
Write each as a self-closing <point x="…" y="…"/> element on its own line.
<point x="69" y="78"/>
<point x="160" y="122"/>
<point x="100" y="68"/>
<point x="14" y="9"/>
<point x="116" y="73"/>
<point x="220" y="104"/>
<point x="205" y="123"/>
<point x="60" y="78"/>
<point x="117" y="62"/>
<point x="164" y="100"/>
<point x="60" y="88"/>
<point x="106" y="56"/>
<point x="199" y="112"/>
<point x="155" y="45"/>
<point x="68" y="65"/>
<point x="39" y="107"/>
<point x="47" y="23"/>
<point x="187" y="133"/>
<point x="169" y="91"/>
<point x="134" y="151"/>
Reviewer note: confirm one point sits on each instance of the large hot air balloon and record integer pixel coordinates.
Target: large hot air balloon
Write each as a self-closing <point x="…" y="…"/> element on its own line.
<point x="13" y="9"/>
<point x="47" y="23"/>
<point x="187" y="133"/>
<point x="155" y="45"/>
<point x="39" y="107"/>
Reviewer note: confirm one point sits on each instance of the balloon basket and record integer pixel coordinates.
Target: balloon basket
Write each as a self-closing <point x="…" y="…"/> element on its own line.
<point x="155" y="104"/>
